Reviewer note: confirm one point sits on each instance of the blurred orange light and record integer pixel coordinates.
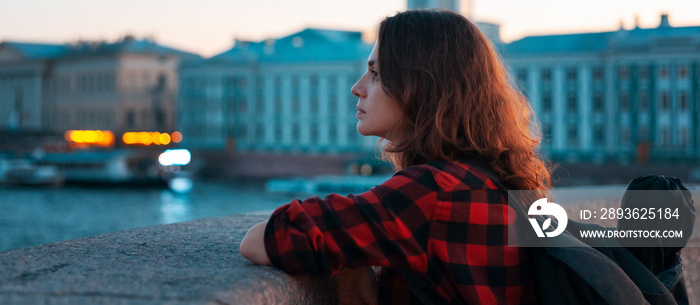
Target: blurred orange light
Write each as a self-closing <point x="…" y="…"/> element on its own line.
<point x="106" y="138"/>
<point x="176" y="137"/>
<point x="130" y="138"/>
<point x="77" y="136"/>
<point x="145" y="138"/>
<point x="155" y="137"/>
<point x="164" y="138"/>
<point x="90" y="136"/>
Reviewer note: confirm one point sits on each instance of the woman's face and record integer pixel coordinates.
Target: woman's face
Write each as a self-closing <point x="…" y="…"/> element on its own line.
<point x="377" y="113"/>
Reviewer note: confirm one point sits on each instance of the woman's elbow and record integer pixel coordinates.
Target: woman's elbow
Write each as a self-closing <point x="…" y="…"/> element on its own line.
<point x="253" y="245"/>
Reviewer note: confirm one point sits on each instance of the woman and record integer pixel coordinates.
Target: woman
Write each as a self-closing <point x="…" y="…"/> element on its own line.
<point x="437" y="94"/>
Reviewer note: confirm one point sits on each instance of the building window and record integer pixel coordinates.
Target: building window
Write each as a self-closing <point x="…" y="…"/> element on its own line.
<point x="333" y="133"/>
<point x="278" y="84"/>
<point x="547" y="102"/>
<point x="352" y="104"/>
<point x="242" y="132"/>
<point x="278" y="104"/>
<point x="623" y="72"/>
<point x="332" y="104"/>
<point x="296" y="104"/>
<point x="295" y="132"/>
<point x="130" y="118"/>
<point x="664" y="71"/>
<point x="598" y="73"/>
<point x="521" y="74"/>
<point x="643" y="72"/>
<point x="546" y="75"/>
<point x="683" y="71"/>
<point x="664" y="100"/>
<point x="571" y="102"/>
<point x="242" y="106"/>
<point x="278" y="131"/>
<point x="260" y="105"/>
<point x="644" y="133"/>
<point x="571" y="74"/>
<point x="598" y="135"/>
<point x="145" y="116"/>
<point x="625" y="135"/>
<point x="332" y="95"/>
<point x="643" y="101"/>
<point x="624" y="102"/>
<point x="352" y="134"/>
<point x="572" y="135"/>
<point x="313" y="103"/>
<point x="259" y="131"/>
<point x="598" y="101"/>
<point x="683" y="101"/>
<point x="313" y="132"/>
<point x="313" y="82"/>
<point x="665" y="136"/>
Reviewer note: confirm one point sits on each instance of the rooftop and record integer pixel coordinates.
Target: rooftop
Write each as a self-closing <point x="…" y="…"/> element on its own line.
<point x="637" y="38"/>
<point x="308" y="45"/>
<point x="129" y="44"/>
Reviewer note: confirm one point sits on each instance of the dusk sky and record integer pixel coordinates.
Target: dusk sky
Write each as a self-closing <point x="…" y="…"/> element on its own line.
<point x="208" y="27"/>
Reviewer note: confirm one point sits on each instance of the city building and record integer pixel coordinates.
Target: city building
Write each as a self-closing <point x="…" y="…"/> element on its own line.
<point x="491" y="30"/>
<point x="621" y="96"/>
<point x="25" y="85"/>
<point x="290" y="94"/>
<point x="459" y="6"/>
<point x="128" y="85"/>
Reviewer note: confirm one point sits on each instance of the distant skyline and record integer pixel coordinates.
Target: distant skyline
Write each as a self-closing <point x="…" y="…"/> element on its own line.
<point x="208" y="27"/>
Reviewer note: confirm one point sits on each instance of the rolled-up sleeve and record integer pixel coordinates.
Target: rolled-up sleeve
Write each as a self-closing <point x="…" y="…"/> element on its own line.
<point x="387" y="226"/>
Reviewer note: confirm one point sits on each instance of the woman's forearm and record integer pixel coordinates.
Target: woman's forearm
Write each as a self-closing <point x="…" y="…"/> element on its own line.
<point x="253" y="245"/>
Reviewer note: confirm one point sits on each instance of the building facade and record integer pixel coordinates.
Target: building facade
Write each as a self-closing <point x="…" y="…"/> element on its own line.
<point x="25" y="85"/>
<point x="491" y="30"/>
<point x="624" y="96"/>
<point x="459" y="6"/>
<point x="128" y="85"/>
<point x="290" y="94"/>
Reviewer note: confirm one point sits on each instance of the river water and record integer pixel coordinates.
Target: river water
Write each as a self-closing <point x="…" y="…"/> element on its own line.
<point x="32" y="216"/>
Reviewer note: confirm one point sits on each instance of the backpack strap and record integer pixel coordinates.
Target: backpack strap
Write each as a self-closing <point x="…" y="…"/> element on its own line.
<point x="558" y="269"/>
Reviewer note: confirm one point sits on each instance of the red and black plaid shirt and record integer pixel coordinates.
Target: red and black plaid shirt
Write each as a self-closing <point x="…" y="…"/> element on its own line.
<point x="442" y="226"/>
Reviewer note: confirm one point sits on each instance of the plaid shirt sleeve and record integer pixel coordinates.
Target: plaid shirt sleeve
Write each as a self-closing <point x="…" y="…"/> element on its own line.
<point x="387" y="226"/>
<point x="444" y="223"/>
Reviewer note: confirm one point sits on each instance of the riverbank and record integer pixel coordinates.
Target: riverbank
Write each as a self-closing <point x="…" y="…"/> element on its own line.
<point x="262" y="166"/>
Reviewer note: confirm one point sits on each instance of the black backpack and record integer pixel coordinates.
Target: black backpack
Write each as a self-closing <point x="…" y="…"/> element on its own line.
<point x="598" y="271"/>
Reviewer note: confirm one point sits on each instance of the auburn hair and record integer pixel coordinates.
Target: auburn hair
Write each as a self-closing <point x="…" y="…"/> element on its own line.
<point x="457" y="98"/>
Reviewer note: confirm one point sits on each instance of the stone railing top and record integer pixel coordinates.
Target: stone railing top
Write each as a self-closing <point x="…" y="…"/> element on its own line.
<point x="193" y="262"/>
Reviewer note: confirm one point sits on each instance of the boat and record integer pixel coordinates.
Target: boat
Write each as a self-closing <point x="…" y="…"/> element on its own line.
<point x="95" y="166"/>
<point x="26" y="172"/>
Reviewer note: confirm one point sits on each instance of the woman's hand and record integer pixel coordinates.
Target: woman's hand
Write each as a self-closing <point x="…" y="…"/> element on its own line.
<point x="253" y="245"/>
<point x="357" y="286"/>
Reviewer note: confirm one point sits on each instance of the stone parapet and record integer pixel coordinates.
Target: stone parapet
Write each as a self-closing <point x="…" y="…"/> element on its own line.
<point x="193" y="262"/>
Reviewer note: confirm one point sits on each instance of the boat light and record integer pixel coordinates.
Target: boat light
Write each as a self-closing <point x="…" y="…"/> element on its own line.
<point x="175" y="157"/>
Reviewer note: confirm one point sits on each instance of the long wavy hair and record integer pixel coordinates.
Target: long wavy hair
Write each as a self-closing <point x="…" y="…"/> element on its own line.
<point x="457" y="99"/>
